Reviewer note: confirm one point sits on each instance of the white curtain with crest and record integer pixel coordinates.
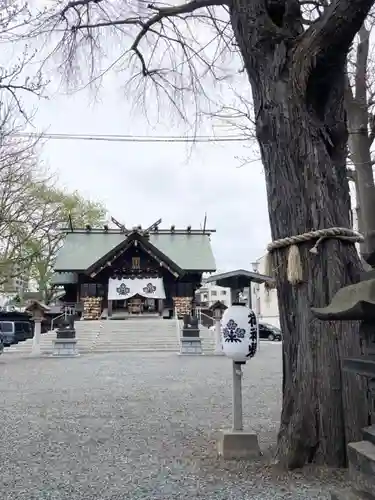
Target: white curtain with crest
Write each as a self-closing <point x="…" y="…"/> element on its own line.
<point x="150" y="288"/>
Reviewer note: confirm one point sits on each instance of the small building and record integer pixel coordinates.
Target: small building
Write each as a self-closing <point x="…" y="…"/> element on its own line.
<point x="209" y="294"/>
<point x="120" y="272"/>
<point x="265" y="298"/>
<point x="17" y="283"/>
<point x="239" y="283"/>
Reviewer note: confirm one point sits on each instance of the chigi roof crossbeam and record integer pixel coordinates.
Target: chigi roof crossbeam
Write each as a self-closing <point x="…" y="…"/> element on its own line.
<point x="153" y="229"/>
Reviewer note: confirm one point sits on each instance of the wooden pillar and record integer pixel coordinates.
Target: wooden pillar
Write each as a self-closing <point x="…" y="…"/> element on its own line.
<point x="161" y="306"/>
<point x="109" y="308"/>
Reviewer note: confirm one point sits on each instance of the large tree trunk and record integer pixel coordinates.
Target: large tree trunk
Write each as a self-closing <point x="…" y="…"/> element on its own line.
<point x="298" y="93"/>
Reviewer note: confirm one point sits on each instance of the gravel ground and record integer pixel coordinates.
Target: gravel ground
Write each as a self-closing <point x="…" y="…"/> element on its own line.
<point x="140" y="426"/>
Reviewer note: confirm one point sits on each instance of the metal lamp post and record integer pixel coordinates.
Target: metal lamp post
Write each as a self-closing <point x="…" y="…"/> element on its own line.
<point x="239" y="337"/>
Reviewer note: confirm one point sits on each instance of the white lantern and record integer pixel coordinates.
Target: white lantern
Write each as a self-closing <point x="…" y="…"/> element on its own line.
<point x="239" y="333"/>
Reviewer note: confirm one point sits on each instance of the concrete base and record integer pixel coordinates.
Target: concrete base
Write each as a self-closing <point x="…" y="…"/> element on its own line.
<point x="238" y="445"/>
<point x="191" y="346"/>
<point x="219" y="352"/>
<point x="65" y="348"/>
<point x="348" y="495"/>
<point x="35" y="353"/>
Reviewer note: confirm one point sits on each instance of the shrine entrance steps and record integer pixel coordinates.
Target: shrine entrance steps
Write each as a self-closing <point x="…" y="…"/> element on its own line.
<point x="121" y="336"/>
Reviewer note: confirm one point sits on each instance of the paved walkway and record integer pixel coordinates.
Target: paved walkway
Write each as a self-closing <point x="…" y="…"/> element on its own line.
<point x="138" y="426"/>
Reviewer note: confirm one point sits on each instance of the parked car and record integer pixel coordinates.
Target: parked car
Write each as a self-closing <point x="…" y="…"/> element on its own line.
<point x="269" y="332"/>
<point x="15" y="327"/>
<point x="8" y="333"/>
<point x="266" y="332"/>
<point x="24" y="330"/>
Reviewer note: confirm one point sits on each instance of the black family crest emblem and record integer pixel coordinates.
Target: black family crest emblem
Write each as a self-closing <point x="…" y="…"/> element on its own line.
<point x="123" y="289"/>
<point x="253" y="335"/>
<point x="232" y="332"/>
<point x="149" y="288"/>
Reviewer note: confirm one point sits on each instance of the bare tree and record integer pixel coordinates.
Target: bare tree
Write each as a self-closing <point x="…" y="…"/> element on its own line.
<point x="294" y="55"/>
<point x="22" y="211"/>
<point x="16" y="70"/>
<point x="360" y="100"/>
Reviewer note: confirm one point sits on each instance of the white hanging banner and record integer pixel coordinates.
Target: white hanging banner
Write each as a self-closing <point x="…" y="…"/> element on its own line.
<point x="151" y="288"/>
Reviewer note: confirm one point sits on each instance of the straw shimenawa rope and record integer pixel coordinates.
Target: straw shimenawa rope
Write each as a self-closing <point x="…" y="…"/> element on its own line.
<point x="294" y="268"/>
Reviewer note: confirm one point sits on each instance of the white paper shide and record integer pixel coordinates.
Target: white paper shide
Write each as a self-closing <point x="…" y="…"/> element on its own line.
<point x="239" y="333"/>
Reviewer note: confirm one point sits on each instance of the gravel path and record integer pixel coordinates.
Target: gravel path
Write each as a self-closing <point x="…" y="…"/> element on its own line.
<point x="140" y="426"/>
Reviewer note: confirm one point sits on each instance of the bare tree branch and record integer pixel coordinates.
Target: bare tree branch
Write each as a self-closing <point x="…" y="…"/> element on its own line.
<point x="332" y="30"/>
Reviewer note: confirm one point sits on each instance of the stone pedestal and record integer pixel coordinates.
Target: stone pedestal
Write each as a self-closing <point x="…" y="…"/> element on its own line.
<point x="362" y="466"/>
<point x="238" y="445"/>
<point x="190" y="342"/>
<point x="65" y="348"/>
<point x="191" y="345"/>
<point x="65" y="344"/>
<point x="361" y="458"/>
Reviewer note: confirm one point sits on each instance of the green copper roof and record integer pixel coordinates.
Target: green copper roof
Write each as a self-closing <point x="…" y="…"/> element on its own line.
<point x="191" y="252"/>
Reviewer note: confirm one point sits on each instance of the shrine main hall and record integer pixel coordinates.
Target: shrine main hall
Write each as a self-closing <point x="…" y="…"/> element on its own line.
<point x="116" y="273"/>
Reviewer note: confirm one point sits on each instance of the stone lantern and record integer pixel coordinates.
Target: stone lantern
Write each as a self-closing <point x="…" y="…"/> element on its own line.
<point x="37" y="310"/>
<point x="218" y="309"/>
<point x="357" y="303"/>
<point x="65" y="344"/>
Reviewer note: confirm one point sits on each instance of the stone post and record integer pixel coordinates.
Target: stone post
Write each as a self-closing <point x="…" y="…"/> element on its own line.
<point x="37" y="309"/>
<point x="35" y="350"/>
<point x="218" y="343"/>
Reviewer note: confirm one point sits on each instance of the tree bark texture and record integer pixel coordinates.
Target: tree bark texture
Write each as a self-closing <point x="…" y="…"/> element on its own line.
<point x="298" y="81"/>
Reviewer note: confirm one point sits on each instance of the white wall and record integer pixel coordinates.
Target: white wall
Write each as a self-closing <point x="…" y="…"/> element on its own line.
<point x="264" y="301"/>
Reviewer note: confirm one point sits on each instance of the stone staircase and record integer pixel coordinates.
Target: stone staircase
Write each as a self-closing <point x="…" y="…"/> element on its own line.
<point x="128" y="335"/>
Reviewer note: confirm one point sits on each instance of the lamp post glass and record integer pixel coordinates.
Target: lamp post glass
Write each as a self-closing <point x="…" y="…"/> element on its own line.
<point x="218" y="313"/>
<point x="218" y="309"/>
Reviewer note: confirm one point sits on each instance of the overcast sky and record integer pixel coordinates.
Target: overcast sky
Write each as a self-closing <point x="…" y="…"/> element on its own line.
<point x="140" y="183"/>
